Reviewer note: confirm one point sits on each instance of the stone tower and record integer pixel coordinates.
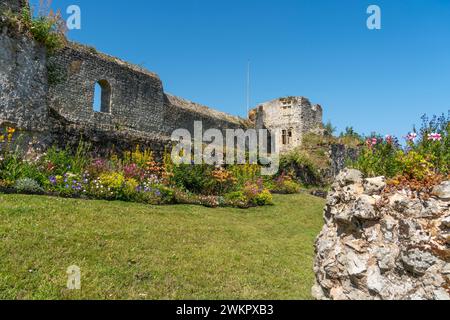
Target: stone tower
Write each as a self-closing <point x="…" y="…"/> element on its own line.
<point x="13" y="5"/>
<point x="288" y="119"/>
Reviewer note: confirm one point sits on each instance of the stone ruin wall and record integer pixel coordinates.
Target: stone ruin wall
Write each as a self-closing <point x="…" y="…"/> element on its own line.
<point x="136" y="96"/>
<point x="23" y="81"/>
<point x="379" y="245"/>
<point x="13" y="5"/>
<point x="50" y="97"/>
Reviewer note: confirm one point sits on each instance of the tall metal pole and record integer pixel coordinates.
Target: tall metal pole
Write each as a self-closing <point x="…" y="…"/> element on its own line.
<point x="248" y="89"/>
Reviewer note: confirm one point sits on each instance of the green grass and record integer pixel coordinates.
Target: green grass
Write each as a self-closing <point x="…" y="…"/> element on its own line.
<point x="133" y="251"/>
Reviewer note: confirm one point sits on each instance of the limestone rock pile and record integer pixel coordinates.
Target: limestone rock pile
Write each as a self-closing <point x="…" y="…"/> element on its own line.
<point x="383" y="246"/>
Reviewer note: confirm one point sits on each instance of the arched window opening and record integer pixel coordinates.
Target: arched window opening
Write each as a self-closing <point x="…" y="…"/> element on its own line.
<point x="102" y="97"/>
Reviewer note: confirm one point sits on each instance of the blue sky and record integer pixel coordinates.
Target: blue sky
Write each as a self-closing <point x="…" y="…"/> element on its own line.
<point x="372" y="80"/>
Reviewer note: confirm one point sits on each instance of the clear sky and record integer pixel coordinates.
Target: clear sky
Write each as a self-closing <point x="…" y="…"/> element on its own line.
<point x="381" y="80"/>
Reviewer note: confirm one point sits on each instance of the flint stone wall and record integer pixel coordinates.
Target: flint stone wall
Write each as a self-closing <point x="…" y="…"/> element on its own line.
<point x="49" y="98"/>
<point x="13" y="5"/>
<point x="136" y="100"/>
<point x="23" y="81"/>
<point x="294" y="114"/>
<point x="383" y="246"/>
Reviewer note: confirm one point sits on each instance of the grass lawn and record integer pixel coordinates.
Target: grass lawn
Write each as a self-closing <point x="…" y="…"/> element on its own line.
<point x="134" y="251"/>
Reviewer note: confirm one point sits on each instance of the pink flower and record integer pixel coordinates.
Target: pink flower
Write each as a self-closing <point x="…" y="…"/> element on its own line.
<point x="371" y="142"/>
<point x="389" y="139"/>
<point x="435" y="136"/>
<point x="411" y="137"/>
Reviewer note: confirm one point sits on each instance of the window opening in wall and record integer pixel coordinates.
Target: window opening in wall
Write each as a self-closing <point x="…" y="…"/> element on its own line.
<point x="286" y="136"/>
<point x="286" y="105"/>
<point x="102" y="97"/>
<point x="289" y="140"/>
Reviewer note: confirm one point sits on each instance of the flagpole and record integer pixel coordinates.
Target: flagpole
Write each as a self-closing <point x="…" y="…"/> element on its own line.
<point x="248" y="89"/>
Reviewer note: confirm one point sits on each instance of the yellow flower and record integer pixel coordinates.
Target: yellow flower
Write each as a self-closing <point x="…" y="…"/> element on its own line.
<point x="2" y="138"/>
<point x="11" y="130"/>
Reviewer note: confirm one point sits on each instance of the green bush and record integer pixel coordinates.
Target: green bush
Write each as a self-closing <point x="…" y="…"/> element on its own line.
<point x="299" y="164"/>
<point x="286" y="185"/>
<point x="236" y="198"/>
<point x="263" y="198"/>
<point x="245" y="173"/>
<point x="48" y="30"/>
<point x="27" y="185"/>
<point x="194" y="178"/>
<point x="379" y="157"/>
<point x="59" y="162"/>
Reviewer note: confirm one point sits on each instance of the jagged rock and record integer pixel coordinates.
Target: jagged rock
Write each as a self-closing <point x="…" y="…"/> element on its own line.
<point x="443" y="191"/>
<point x="371" y="249"/>
<point x="386" y="257"/>
<point x="348" y="177"/>
<point x="446" y="222"/>
<point x="388" y="227"/>
<point x="441" y="294"/>
<point x="404" y="204"/>
<point x="417" y="261"/>
<point x="356" y="265"/>
<point x="317" y="292"/>
<point x="446" y="269"/>
<point x="375" y="281"/>
<point x="374" y="186"/>
<point x="364" y="208"/>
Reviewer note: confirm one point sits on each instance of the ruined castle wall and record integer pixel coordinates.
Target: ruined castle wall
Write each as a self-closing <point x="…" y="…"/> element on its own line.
<point x="311" y="117"/>
<point x="136" y="96"/>
<point x="13" y="5"/>
<point x="53" y="94"/>
<point x="23" y="81"/>
<point x="181" y="114"/>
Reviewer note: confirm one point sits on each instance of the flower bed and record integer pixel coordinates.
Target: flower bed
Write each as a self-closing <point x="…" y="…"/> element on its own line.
<point x="132" y="176"/>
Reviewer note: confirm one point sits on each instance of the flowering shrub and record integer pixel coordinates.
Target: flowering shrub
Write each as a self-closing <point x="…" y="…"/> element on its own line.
<point x="284" y="184"/>
<point x="97" y="167"/>
<point x="68" y="184"/>
<point x="257" y="194"/>
<point x="245" y="173"/>
<point x="263" y="198"/>
<point x="224" y="181"/>
<point x="423" y="161"/>
<point x="379" y="156"/>
<point x="193" y="178"/>
<point x="237" y="199"/>
<point x="113" y="181"/>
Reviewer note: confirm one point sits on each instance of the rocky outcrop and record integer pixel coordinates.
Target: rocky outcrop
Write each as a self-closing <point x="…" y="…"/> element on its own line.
<point x="378" y="245"/>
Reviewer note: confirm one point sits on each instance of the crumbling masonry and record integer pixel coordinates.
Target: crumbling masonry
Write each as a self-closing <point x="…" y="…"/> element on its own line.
<point x="51" y="97"/>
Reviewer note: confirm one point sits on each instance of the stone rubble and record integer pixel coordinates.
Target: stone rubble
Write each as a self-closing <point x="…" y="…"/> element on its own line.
<point x="383" y="248"/>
